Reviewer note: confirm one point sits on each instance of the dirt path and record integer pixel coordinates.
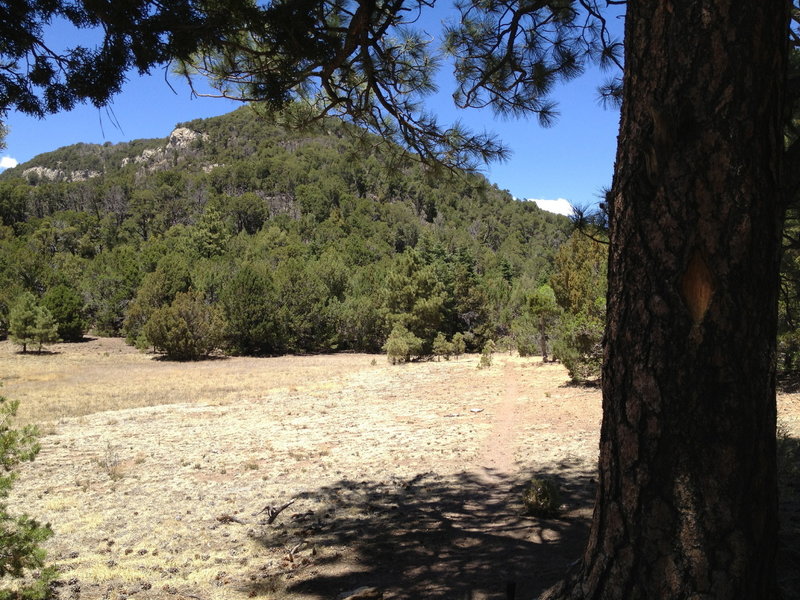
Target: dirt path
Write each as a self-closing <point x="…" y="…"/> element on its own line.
<point x="496" y="457"/>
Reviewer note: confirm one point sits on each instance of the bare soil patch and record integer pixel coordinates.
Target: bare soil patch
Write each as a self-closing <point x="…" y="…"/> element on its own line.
<point x="406" y="478"/>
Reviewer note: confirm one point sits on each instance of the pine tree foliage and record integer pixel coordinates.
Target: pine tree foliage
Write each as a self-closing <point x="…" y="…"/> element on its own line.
<point x="402" y="346"/>
<point x="67" y="308"/>
<point x="38" y="78"/>
<point x="31" y="323"/>
<point x="362" y="247"/>
<point x="459" y="345"/>
<point x="441" y="347"/>
<point x="188" y="329"/>
<point x="578" y="285"/>
<point x="23" y="574"/>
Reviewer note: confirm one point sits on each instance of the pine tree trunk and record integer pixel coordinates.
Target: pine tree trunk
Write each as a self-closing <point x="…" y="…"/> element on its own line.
<point x="687" y="502"/>
<point x="543" y="337"/>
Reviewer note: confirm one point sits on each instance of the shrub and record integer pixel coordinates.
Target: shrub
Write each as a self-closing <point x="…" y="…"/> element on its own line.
<point x="22" y="572"/>
<point x="579" y="346"/>
<point x="459" y="345"/>
<point x="441" y="347"/>
<point x="526" y="336"/>
<point x="187" y="329"/>
<point x="30" y="323"/>
<point x="66" y="306"/>
<point x="402" y="345"/>
<point x="250" y="304"/>
<point x="542" y="497"/>
<point x="487" y="355"/>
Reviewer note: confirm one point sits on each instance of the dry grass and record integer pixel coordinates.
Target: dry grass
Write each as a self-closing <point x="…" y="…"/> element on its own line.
<point x="105" y="374"/>
<point x="408" y="478"/>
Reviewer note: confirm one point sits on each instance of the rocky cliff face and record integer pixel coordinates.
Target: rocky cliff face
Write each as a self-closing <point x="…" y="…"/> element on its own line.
<point x="39" y="173"/>
<point x="181" y="140"/>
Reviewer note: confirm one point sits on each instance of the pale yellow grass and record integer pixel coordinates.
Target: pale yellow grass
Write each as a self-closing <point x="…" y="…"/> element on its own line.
<point x="105" y="374"/>
<point x="143" y="456"/>
<point x="143" y="460"/>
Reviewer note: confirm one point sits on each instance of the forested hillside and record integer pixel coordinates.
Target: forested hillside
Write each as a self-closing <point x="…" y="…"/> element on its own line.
<point x="270" y="242"/>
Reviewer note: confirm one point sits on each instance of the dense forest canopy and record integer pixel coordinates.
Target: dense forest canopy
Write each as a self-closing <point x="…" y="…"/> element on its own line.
<point x="297" y="242"/>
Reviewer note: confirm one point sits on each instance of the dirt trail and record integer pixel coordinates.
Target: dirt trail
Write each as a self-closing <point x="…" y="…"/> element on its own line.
<point x="496" y="458"/>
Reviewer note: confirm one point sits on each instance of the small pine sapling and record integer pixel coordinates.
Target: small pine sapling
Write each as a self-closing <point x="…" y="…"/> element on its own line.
<point x="402" y="345"/>
<point x="487" y="355"/>
<point x="542" y="497"/>
<point x="459" y="345"/>
<point x="23" y="575"/>
<point x="441" y="347"/>
<point x="31" y="323"/>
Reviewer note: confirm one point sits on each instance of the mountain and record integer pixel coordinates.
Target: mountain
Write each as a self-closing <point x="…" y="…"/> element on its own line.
<point x="343" y="238"/>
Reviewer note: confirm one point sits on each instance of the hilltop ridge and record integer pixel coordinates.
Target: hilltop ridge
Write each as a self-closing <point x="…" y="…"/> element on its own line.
<point x="344" y="239"/>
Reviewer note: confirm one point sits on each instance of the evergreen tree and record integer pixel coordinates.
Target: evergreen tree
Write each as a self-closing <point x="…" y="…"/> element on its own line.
<point x="158" y="289"/>
<point x="249" y="305"/>
<point x="415" y="299"/>
<point x="402" y="345"/>
<point x="31" y="323"/>
<point x="66" y="306"/>
<point x="441" y="347"/>
<point x="187" y="329"/>
<point x="211" y="234"/>
<point x="579" y="275"/>
<point x="578" y="345"/>
<point x="20" y="550"/>
<point x="459" y="345"/>
<point x="22" y="320"/>
<point x="46" y="329"/>
<point x="579" y="286"/>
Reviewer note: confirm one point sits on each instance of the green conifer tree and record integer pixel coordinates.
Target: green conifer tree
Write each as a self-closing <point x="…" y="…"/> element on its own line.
<point x="20" y="553"/>
<point x="31" y="323"/>
<point x="66" y="306"/>
<point x="441" y="347"/>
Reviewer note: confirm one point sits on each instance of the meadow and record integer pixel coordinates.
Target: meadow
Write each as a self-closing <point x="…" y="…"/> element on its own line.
<point x="159" y="477"/>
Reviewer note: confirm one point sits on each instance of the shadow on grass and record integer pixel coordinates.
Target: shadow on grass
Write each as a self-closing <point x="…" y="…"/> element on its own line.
<point x="457" y="537"/>
<point x="446" y="537"/>
<point x="589" y="384"/>
<point x="42" y="352"/>
<point x="789" y="539"/>
<point x="82" y="340"/>
<point x="208" y="358"/>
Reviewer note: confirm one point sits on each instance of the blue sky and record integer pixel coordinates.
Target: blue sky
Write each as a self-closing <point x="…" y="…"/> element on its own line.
<point x="573" y="159"/>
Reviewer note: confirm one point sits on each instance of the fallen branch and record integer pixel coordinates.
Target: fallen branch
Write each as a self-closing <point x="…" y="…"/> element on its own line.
<point x="272" y="512"/>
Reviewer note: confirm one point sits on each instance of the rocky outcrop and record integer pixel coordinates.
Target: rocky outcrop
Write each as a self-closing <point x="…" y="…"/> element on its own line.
<point x="58" y="174"/>
<point x="180" y="140"/>
<point x="182" y="137"/>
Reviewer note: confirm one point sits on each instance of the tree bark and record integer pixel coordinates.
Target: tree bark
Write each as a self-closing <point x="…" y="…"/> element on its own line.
<point x="543" y="336"/>
<point x="686" y="503"/>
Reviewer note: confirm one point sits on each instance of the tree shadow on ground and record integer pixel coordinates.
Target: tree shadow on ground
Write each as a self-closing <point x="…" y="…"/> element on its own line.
<point x="789" y="538"/>
<point x="457" y="537"/>
<point x="207" y="358"/>
<point x="788" y="382"/>
<point x="585" y="384"/>
<point x="454" y="537"/>
<point x="83" y="340"/>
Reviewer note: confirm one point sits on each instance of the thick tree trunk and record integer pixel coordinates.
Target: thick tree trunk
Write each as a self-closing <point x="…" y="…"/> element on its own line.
<point x="687" y="502"/>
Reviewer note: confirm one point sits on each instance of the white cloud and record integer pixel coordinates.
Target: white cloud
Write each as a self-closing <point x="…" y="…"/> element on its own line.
<point x="6" y="162"/>
<point x="559" y="205"/>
